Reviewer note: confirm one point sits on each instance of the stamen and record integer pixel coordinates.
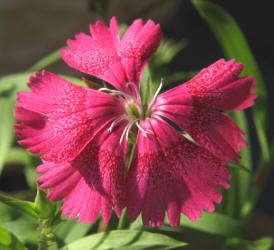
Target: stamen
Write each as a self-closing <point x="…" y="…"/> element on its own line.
<point x="144" y="132"/>
<point x="115" y="122"/>
<point x="115" y="92"/>
<point x="126" y="130"/>
<point x="159" y="89"/>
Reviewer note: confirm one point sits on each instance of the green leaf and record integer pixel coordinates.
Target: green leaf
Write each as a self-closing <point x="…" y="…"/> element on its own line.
<point x="8" y="87"/>
<point x="9" y="242"/>
<point x="25" y="206"/>
<point x="16" y="82"/>
<point x="22" y="225"/>
<point x="46" y="61"/>
<point x="71" y="230"/>
<point x="125" y="239"/>
<point x="6" y="128"/>
<point x="235" y="198"/>
<point x="235" y="244"/>
<point x="214" y="223"/>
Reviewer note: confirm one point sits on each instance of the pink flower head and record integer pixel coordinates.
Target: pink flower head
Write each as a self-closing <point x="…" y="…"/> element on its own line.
<point x="82" y="133"/>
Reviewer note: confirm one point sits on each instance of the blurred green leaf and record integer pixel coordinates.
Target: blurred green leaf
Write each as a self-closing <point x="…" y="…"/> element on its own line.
<point x="166" y="52"/>
<point x="234" y="199"/>
<point x="125" y="239"/>
<point x="25" y="206"/>
<point x="16" y="82"/>
<point x="24" y="230"/>
<point x="214" y="223"/>
<point x="8" y="87"/>
<point x="46" y="61"/>
<point x="22" y="225"/>
<point x="72" y="230"/>
<point x="6" y="128"/>
<point x="9" y="242"/>
<point x="159" y="63"/>
<point x="240" y="167"/>
<point x="240" y="244"/>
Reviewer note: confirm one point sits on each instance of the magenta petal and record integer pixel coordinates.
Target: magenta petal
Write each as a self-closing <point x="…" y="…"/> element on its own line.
<point x="104" y="56"/>
<point x="59" y="118"/>
<point x="93" y="182"/>
<point x="195" y="106"/>
<point x="170" y="172"/>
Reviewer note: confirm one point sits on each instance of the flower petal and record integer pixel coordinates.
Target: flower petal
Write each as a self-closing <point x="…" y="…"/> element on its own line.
<point x="168" y="171"/>
<point x="194" y="107"/>
<point x="59" y="118"/>
<point x="217" y="86"/>
<point x="93" y="182"/>
<point x="104" y="56"/>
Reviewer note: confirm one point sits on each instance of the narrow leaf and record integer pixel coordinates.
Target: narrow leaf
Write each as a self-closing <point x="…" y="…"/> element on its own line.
<point x="125" y="239"/>
<point x="6" y="128"/>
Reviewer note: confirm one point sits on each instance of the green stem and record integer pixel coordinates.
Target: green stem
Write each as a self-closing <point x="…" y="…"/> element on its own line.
<point x="47" y="239"/>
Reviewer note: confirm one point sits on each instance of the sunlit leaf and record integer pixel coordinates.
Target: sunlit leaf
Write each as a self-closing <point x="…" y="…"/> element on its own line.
<point x="125" y="239"/>
<point x="9" y="242"/>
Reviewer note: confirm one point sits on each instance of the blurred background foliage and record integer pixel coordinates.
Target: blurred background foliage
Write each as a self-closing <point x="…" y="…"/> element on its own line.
<point x="196" y="33"/>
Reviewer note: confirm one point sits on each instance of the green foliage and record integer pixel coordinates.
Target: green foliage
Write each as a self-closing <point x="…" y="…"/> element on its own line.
<point x="24" y="206"/>
<point x="43" y="205"/>
<point x="9" y="242"/>
<point x="19" y="223"/>
<point x="125" y="239"/>
<point x="71" y="230"/>
<point x="215" y="223"/>
<point x="239" y="244"/>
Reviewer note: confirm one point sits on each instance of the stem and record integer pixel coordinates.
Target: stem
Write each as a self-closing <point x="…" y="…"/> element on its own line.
<point x="47" y="240"/>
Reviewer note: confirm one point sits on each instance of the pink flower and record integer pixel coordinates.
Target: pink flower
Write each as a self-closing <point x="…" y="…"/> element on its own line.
<point x="82" y="133"/>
